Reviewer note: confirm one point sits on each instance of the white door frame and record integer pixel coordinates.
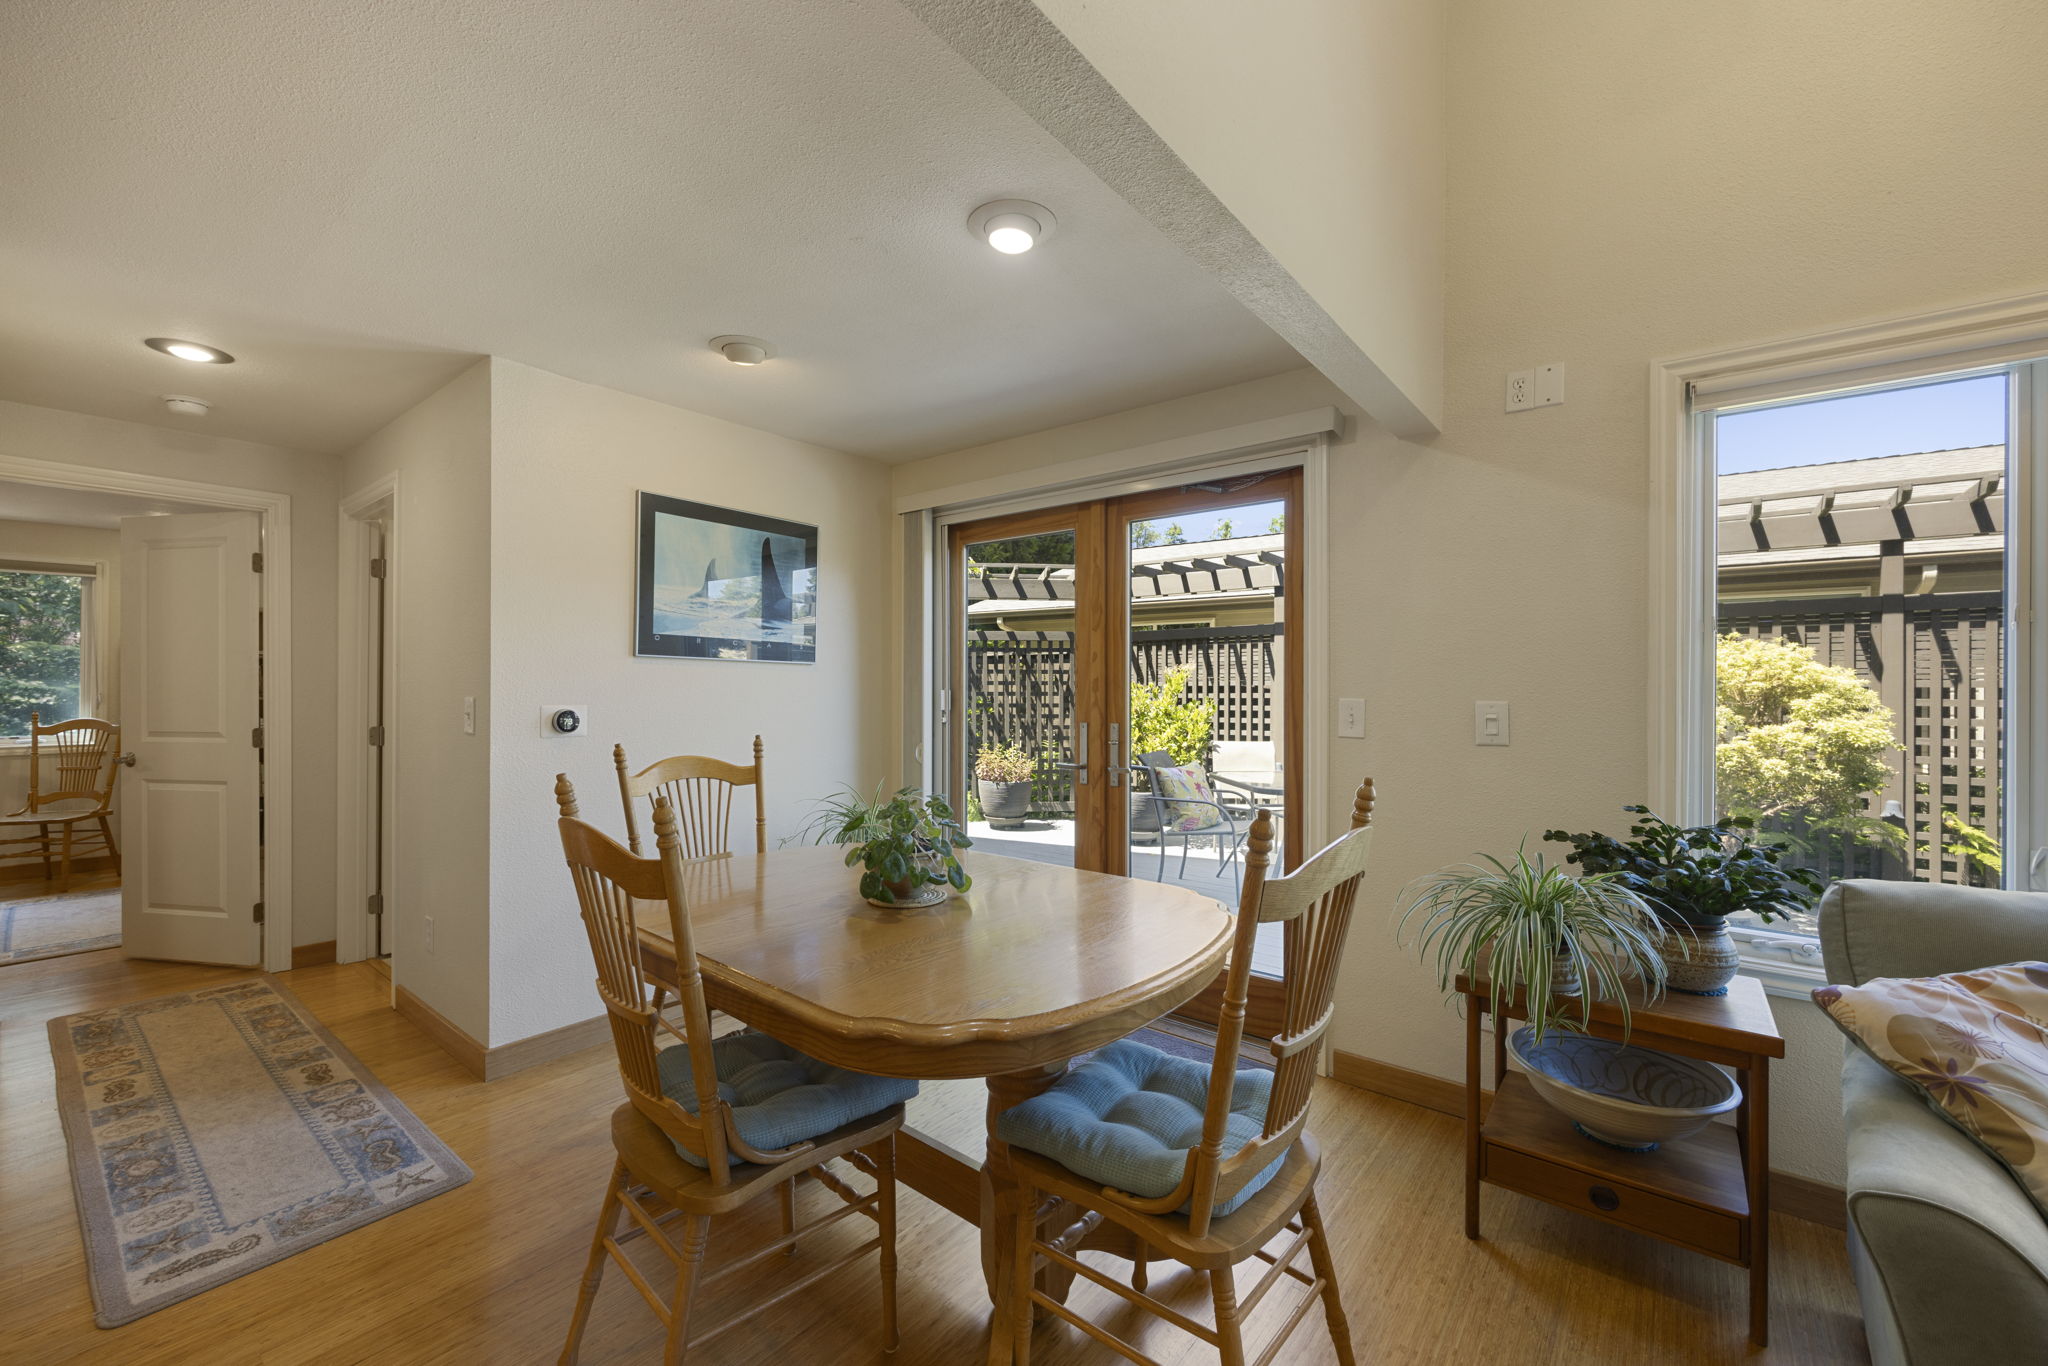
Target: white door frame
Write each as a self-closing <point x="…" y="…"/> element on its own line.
<point x="275" y="509"/>
<point x="354" y="707"/>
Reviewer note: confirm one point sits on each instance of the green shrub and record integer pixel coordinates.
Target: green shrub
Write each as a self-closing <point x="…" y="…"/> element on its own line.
<point x="1163" y="719"/>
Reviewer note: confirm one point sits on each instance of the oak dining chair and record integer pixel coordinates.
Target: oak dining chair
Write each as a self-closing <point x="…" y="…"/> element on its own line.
<point x="1109" y="1136"/>
<point x="700" y="790"/>
<point x="710" y="1125"/>
<point x="71" y="770"/>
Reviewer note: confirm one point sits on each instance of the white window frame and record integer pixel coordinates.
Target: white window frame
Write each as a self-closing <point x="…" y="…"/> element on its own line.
<point x="2009" y="335"/>
<point x="92" y="629"/>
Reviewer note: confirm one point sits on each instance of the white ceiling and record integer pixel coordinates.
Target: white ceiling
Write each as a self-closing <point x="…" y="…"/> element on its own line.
<point x="78" y="507"/>
<point x="357" y="199"/>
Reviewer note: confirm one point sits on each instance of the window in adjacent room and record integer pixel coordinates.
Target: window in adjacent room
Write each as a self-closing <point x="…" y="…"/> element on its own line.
<point x="45" y="646"/>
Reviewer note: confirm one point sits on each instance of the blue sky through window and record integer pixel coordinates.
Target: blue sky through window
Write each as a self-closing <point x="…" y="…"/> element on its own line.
<point x="1252" y="519"/>
<point x="1927" y="417"/>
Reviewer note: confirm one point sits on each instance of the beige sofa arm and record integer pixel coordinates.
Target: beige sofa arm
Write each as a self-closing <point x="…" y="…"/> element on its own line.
<point x="1918" y="929"/>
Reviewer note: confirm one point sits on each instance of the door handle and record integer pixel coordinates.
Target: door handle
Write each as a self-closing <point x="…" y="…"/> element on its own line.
<point x="1081" y="750"/>
<point x="1111" y="763"/>
<point x="127" y="759"/>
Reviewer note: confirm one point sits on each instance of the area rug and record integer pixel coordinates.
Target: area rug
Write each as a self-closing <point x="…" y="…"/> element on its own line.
<point x="219" y="1131"/>
<point x="52" y="926"/>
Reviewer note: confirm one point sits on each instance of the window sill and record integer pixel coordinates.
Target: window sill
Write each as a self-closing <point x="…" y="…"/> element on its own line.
<point x="1788" y="965"/>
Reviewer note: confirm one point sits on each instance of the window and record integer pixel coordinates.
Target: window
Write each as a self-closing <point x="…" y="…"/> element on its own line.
<point x="1864" y="630"/>
<point x="45" y="646"/>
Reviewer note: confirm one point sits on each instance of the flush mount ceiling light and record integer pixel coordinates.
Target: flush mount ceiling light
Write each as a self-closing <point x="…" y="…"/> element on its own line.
<point x="1012" y="226"/>
<point x="743" y="350"/>
<point x="196" y="352"/>
<point x="186" y="407"/>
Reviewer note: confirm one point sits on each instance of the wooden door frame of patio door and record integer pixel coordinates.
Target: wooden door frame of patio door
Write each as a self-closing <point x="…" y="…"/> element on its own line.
<point x="1088" y="521"/>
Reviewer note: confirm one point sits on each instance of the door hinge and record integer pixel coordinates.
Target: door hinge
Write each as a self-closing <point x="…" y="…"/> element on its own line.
<point x="256" y="561"/>
<point x="377" y="736"/>
<point x="256" y="737"/>
<point x="259" y="913"/>
<point x="377" y="903"/>
<point x="378" y="567"/>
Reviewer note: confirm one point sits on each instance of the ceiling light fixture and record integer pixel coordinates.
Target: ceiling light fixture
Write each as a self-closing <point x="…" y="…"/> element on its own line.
<point x="196" y="352"/>
<point x="186" y="407"/>
<point x="1012" y="226"/>
<point x="743" y="350"/>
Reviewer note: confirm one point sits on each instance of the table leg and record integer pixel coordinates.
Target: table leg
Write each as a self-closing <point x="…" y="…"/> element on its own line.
<point x="1472" y="1013"/>
<point x="999" y="1200"/>
<point x="1757" y="1101"/>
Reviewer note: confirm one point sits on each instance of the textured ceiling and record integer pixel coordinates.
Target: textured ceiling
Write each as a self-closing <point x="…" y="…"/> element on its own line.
<point x="356" y="200"/>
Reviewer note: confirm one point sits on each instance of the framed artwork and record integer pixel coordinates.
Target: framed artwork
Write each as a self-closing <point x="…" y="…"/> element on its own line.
<point x="715" y="583"/>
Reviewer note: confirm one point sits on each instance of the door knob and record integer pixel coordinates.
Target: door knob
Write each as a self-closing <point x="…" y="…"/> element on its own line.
<point x="128" y="759"/>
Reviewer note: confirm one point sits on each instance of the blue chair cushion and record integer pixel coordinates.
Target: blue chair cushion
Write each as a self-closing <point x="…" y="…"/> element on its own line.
<point x="1129" y="1116"/>
<point x="778" y="1095"/>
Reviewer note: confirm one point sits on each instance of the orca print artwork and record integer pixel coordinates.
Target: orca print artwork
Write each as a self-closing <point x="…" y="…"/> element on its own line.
<point x="717" y="583"/>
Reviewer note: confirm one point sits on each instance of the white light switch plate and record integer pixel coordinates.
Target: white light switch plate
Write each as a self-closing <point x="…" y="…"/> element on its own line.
<point x="1489" y="723"/>
<point x="1351" y="718"/>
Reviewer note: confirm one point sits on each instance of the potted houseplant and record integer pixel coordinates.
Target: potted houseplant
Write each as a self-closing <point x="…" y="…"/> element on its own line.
<point x="1583" y="937"/>
<point x="1694" y="878"/>
<point x="1002" y="780"/>
<point x="904" y="844"/>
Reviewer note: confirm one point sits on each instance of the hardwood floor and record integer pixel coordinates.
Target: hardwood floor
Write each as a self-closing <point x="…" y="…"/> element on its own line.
<point x="487" y="1273"/>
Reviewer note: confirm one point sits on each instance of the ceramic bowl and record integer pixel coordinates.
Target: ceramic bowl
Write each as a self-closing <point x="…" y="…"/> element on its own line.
<point x="1634" y="1098"/>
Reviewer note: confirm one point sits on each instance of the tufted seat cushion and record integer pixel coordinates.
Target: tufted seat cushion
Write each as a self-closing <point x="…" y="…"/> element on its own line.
<point x="1129" y="1116"/>
<point x="778" y="1095"/>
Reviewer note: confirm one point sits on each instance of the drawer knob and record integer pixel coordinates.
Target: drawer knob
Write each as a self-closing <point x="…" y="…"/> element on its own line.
<point x="1603" y="1197"/>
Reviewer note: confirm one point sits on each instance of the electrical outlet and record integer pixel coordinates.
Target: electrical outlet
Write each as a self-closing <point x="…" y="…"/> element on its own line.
<point x="427" y="922"/>
<point x="1521" y="390"/>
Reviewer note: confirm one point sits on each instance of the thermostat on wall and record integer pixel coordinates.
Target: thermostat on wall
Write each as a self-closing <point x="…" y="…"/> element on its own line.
<point x="564" y="720"/>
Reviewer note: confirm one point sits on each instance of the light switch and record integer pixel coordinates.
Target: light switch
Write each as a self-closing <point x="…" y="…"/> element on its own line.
<point x="1489" y="723"/>
<point x="1351" y="718"/>
<point x="469" y="716"/>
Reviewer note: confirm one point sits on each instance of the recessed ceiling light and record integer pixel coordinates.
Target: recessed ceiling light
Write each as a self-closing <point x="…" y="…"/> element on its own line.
<point x="1012" y="226"/>
<point x="743" y="350"/>
<point x="196" y="352"/>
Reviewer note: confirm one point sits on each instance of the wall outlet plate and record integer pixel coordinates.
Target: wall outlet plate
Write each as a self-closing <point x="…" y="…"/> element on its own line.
<point x="564" y="718"/>
<point x="1521" y="390"/>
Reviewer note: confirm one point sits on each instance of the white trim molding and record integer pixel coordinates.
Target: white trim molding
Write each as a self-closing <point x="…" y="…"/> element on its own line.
<point x="2009" y="334"/>
<point x="275" y="509"/>
<point x="354" y="645"/>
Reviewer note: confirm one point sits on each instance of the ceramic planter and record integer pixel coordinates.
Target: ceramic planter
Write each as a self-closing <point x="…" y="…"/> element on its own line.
<point x="1700" y="958"/>
<point x="1004" y="804"/>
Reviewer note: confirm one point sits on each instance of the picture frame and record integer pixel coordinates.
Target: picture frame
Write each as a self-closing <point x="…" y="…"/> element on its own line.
<point x="720" y="583"/>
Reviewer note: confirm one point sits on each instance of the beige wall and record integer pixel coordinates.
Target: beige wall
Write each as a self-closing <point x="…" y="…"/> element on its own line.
<point x="1319" y="125"/>
<point x="106" y="443"/>
<point x="50" y="543"/>
<point x="440" y="451"/>
<point x="567" y="459"/>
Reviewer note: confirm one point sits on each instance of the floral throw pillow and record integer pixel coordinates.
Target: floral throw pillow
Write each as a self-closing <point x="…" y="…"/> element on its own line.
<point x="1974" y="1044"/>
<point x="1190" y="784"/>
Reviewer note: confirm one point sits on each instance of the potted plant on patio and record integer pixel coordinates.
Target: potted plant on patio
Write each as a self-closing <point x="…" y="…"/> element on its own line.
<point x="1002" y="780"/>
<point x="1694" y="878"/>
<point x="1584" y="937"/>
<point x="903" y="843"/>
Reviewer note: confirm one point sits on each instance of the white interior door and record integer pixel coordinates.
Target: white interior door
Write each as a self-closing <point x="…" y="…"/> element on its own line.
<point x="192" y="874"/>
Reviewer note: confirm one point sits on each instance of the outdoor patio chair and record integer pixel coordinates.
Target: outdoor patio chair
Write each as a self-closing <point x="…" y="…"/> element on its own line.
<point x="1221" y="826"/>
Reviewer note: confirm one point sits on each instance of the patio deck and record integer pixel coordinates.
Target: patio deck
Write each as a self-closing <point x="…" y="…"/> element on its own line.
<point x="1053" y="842"/>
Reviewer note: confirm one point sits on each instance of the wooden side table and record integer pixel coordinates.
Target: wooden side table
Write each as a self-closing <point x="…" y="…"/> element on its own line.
<point x="1709" y="1193"/>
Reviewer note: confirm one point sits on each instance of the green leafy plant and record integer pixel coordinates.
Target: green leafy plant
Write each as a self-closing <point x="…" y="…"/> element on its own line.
<point x="1966" y="841"/>
<point x="1535" y="924"/>
<point x="1694" y="876"/>
<point x="1004" y="763"/>
<point x="904" y="841"/>
<point x="41" y="625"/>
<point x="1798" y="737"/>
<point x="1162" y="718"/>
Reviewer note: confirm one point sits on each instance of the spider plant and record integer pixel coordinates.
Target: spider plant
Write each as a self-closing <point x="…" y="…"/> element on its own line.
<point x="1569" y="938"/>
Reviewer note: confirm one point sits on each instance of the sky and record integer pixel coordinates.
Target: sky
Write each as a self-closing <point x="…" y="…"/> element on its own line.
<point x="1251" y="519"/>
<point x="1927" y="417"/>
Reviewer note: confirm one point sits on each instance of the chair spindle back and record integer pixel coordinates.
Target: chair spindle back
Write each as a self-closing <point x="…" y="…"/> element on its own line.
<point x="74" y="758"/>
<point x="700" y="792"/>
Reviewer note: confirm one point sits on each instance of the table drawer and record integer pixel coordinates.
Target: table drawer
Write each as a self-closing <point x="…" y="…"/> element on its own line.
<point x="1674" y="1220"/>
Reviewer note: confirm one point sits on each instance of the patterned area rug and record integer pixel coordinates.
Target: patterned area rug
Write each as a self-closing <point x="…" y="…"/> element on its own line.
<point x="52" y="926"/>
<point x="220" y="1131"/>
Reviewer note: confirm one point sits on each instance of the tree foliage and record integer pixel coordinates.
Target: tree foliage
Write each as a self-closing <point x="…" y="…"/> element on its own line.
<point x="1795" y="735"/>
<point x="1162" y="718"/>
<point x="41" y="616"/>
<point x="1047" y="547"/>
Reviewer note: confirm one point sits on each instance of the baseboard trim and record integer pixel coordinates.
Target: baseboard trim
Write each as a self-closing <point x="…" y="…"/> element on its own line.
<point x="455" y="1042"/>
<point x="1797" y="1196"/>
<point x="312" y="955"/>
<point x="536" y="1049"/>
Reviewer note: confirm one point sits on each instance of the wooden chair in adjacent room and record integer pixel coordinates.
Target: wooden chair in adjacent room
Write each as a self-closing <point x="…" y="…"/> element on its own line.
<point x="686" y="1153"/>
<point x="1251" y="1177"/>
<point x="71" y="767"/>
<point x="700" y="790"/>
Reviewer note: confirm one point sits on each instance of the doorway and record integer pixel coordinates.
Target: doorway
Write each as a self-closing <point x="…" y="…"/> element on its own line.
<point x="1123" y="695"/>
<point x="367" y="736"/>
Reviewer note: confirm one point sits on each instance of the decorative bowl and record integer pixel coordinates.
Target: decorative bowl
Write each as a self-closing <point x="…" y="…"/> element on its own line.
<point x="1622" y="1095"/>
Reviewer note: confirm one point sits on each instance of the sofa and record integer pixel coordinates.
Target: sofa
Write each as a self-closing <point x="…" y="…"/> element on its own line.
<point x="1949" y="1254"/>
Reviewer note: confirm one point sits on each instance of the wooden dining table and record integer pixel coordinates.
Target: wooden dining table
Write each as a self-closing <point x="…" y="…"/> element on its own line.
<point x="1003" y="983"/>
